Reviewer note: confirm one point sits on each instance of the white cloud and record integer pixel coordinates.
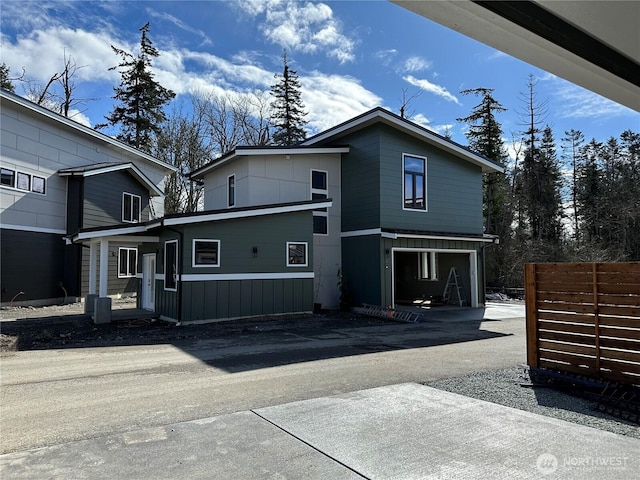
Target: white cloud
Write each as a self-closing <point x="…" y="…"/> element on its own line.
<point x="304" y="27"/>
<point x="386" y="56"/>
<point x="415" y="64"/>
<point x="180" y="24"/>
<point x="333" y="99"/>
<point x="580" y="103"/>
<point x="427" y="86"/>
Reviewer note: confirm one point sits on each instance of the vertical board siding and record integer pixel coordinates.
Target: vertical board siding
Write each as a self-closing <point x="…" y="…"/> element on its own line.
<point x="584" y="318"/>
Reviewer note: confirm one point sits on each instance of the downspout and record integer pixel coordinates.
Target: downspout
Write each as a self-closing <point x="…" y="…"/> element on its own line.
<point x="180" y="270"/>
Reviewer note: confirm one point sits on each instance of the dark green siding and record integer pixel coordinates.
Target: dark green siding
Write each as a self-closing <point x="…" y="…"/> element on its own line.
<point x="372" y="185"/>
<point x="216" y="298"/>
<point x="361" y="181"/>
<point x="103" y="198"/>
<point x="361" y="267"/>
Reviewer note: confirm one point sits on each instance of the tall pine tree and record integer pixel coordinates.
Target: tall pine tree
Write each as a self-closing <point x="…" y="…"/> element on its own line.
<point x="140" y="111"/>
<point x="485" y="137"/>
<point x="288" y="110"/>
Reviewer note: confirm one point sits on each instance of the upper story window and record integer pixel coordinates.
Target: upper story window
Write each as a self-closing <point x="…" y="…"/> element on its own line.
<point x="206" y="253"/>
<point x="22" y="181"/>
<point x="231" y="190"/>
<point x="130" y="207"/>
<point x="127" y="262"/>
<point x="414" y="182"/>
<point x="297" y="254"/>
<point x="320" y="191"/>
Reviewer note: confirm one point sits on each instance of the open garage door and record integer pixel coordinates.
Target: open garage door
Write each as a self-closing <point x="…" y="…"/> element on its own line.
<point x="420" y="276"/>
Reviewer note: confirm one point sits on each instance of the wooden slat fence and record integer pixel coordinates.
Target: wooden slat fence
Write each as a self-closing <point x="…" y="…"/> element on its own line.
<point x="584" y="318"/>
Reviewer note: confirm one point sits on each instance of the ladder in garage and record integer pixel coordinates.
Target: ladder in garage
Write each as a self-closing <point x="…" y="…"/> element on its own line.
<point x="454" y="288"/>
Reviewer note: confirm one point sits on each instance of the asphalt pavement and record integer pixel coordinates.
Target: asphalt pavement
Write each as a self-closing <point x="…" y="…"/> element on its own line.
<point x="401" y="431"/>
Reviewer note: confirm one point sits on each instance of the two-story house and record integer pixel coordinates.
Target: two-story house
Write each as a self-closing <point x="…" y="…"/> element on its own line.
<point x="406" y="207"/>
<point x="59" y="177"/>
<point x="377" y="209"/>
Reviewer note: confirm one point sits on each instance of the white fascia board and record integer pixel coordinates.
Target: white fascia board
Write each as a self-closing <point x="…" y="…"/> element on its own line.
<point x="25" y="228"/>
<point x="414" y="130"/>
<point x="370" y="231"/>
<point x="128" y="239"/>
<point x="245" y="213"/>
<point x="84" y="129"/>
<point x="445" y="237"/>
<point x="200" y="277"/>
<point x="115" y="168"/>
<point x="109" y="233"/>
<point x="248" y="152"/>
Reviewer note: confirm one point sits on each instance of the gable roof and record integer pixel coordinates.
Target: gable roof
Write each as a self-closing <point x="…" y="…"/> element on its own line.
<point x="107" y="167"/>
<point x="264" y="150"/>
<point x="5" y="95"/>
<point x="381" y="115"/>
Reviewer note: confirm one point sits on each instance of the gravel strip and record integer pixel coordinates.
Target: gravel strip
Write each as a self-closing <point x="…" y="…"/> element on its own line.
<point x="504" y="387"/>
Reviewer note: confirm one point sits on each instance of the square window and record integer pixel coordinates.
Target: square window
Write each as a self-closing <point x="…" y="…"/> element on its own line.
<point x="318" y="180"/>
<point x="320" y="225"/>
<point x="7" y="177"/>
<point x="296" y="254"/>
<point x="206" y="253"/>
<point x="37" y="185"/>
<point x="23" y="181"/>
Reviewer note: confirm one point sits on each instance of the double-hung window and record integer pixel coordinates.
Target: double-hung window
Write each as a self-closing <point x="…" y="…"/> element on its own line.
<point x="415" y="182"/>
<point x="127" y="262"/>
<point x="130" y="207"/>
<point x="320" y="191"/>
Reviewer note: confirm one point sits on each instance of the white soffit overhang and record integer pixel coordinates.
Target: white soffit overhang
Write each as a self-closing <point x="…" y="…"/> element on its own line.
<point x="594" y="44"/>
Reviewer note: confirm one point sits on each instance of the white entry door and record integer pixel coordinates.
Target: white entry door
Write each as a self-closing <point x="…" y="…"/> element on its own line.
<point x="149" y="281"/>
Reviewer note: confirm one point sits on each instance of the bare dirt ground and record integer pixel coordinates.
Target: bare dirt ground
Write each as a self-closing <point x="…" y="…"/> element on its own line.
<point x="66" y="326"/>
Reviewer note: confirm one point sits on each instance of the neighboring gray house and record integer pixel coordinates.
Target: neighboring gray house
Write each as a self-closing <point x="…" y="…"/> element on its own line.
<point x="57" y="177"/>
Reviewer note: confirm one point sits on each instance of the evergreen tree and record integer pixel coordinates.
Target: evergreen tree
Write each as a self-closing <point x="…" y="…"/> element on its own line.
<point x="485" y="138"/>
<point x="141" y="99"/>
<point x="288" y="109"/>
<point x="5" y="81"/>
<point x="572" y="143"/>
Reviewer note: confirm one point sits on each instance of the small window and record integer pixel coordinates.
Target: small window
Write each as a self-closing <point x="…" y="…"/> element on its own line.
<point x="171" y="265"/>
<point x="23" y="181"/>
<point x="296" y="254"/>
<point x="206" y="253"/>
<point x="7" y="177"/>
<point x="320" y="191"/>
<point x="127" y="262"/>
<point x="37" y="185"/>
<point x="231" y="190"/>
<point x="130" y="207"/>
<point x="414" y="183"/>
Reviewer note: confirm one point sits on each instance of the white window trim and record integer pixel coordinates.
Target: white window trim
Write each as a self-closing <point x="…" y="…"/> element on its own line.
<point x="165" y="266"/>
<point x="320" y="191"/>
<point x="139" y="207"/>
<point x="193" y="253"/>
<point x="306" y="254"/>
<point x="128" y="274"/>
<point x="426" y="203"/>
<point x="31" y="176"/>
<point x="229" y="204"/>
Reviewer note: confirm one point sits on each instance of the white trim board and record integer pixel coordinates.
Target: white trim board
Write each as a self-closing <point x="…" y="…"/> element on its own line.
<point x="206" y="277"/>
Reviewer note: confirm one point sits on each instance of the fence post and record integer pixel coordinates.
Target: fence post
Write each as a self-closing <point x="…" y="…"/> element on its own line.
<point x="596" y="316"/>
<point x="530" y="290"/>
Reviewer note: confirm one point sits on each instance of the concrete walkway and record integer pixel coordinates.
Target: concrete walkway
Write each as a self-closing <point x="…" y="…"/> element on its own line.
<point x="405" y="431"/>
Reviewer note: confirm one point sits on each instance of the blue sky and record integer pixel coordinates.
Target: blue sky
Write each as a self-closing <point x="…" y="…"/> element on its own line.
<point x="350" y="56"/>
